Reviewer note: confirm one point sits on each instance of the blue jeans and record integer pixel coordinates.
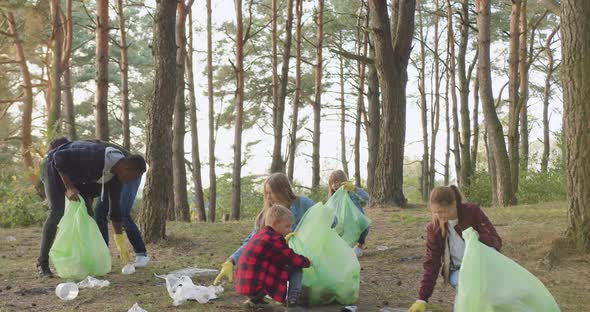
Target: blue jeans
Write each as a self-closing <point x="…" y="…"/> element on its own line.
<point x="295" y="283"/>
<point x="101" y="211"/>
<point x="454" y="278"/>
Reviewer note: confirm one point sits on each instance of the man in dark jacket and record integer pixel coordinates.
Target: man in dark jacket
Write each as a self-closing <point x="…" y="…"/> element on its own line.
<point x="84" y="169"/>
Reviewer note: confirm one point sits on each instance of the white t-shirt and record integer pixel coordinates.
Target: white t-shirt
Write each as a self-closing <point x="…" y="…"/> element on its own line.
<point x="111" y="157"/>
<point x="456" y="244"/>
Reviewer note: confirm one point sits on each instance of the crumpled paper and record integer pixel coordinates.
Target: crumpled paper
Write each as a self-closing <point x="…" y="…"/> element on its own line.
<point x="91" y="282"/>
<point x="182" y="289"/>
<point x="136" y="308"/>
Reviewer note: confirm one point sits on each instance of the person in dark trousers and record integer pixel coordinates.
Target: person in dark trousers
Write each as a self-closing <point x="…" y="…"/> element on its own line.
<point x="84" y="169"/>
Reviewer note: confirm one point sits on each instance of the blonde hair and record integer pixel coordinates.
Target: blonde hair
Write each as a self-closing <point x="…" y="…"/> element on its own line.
<point x="336" y="176"/>
<point x="281" y="189"/>
<point x="277" y="213"/>
<point x="444" y="196"/>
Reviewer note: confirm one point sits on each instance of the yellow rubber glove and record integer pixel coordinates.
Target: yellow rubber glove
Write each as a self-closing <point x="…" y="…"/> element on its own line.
<point x="418" y="306"/>
<point x="122" y="247"/>
<point x="227" y="270"/>
<point x="349" y="186"/>
<point x="288" y="236"/>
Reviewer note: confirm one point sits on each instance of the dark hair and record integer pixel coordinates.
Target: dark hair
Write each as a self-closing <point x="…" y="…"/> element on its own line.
<point x="57" y="143"/>
<point x="137" y="162"/>
<point x="444" y="195"/>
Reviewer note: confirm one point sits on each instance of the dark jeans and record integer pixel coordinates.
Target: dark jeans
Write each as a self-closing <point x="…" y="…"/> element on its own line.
<point x="363" y="236"/>
<point x="101" y="211"/>
<point x="55" y="192"/>
<point x="295" y="282"/>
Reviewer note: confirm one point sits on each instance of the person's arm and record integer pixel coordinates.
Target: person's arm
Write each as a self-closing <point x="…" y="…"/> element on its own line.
<point x="72" y="192"/>
<point x="281" y="250"/>
<point x="486" y="230"/>
<point x="363" y="195"/>
<point x="432" y="264"/>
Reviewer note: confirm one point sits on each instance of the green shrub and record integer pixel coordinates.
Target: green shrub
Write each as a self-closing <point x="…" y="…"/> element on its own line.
<point x="19" y="204"/>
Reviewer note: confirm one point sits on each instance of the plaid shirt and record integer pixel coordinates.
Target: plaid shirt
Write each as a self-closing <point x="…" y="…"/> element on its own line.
<point x="263" y="265"/>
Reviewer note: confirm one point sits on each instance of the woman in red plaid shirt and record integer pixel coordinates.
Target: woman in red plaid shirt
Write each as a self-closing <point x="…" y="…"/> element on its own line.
<point x="263" y="269"/>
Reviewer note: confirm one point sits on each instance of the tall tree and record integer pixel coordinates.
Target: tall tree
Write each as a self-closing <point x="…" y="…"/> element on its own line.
<point x="181" y="208"/>
<point x="425" y="176"/>
<point x="575" y="34"/>
<point x="361" y="68"/>
<point x="158" y="184"/>
<point x="343" y="159"/>
<point x="393" y="40"/>
<point x="546" y="97"/>
<point x="297" y="94"/>
<point x="497" y="145"/>
<point x="239" y="69"/>
<point x="196" y="157"/>
<point x="464" y="79"/>
<point x="277" y="159"/>
<point x="475" y="146"/>
<point x="67" y="20"/>
<point x="53" y="120"/>
<point x="27" y="109"/>
<point x="124" y="68"/>
<point x="374" y="110"/>
<point x="453" y="87"/>
<point x="447" y="175"/>
<point x="315" y="179"/>
<point x="435" y="109"/>
<point x="212" y="175"/>
<point x="513" y="84"/>
<point x="102" y="70"/>
<point x="523" y="88"/>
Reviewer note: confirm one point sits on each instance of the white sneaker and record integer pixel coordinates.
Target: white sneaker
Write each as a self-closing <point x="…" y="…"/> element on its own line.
<point x="358" y="251"/>
<point x="141" y="261"/>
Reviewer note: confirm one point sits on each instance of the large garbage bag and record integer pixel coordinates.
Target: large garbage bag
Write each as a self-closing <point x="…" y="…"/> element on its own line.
<point x="335" y="270"/>
<point x="350" y="221"/>
<point x="79" y="249"/>
<point x="492" y="282"/>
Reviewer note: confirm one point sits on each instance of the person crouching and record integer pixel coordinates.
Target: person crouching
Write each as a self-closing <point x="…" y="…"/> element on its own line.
<point x="267" y="261"/>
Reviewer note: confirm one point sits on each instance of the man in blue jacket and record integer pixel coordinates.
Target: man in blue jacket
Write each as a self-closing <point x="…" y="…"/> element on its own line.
<point x="85" y="169"/>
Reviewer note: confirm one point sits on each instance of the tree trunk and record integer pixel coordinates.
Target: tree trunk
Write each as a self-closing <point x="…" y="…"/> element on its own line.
<point x="374" y="102"/>
<point x="392" y="52"/>
<point x="461" y="168"/>
<point x="196" y="156"/>
<point x="447" y="175"/>
<point x="342" y="112"/>
<point x="102" y="70"/>
<point x="53" y="121"/>
<point x="546" y="98"/>
<point x="315" y="179"/>
<point x="475" y="146"/>
<point x="277" y="158"/>
<point x="67" y="73"/>
<point x="212" y="175"/>
<point x="435" y="111"/>
<point x="158" y="185"/>
<point x="294" y="116"/>
<point x="279" y="166"/>
<point x="467" y="162"/>
<point x="181" y="208"/>
<point x="425" y="176"/>
<point x="361" y="66"/>
<point x="575" y="35"/>
<point x="491" y="169"/>
<point x="239" y="68"/>
<point x="27" y="109"/>
<point x="513" y="84"/>
<point x="497" y="145"/>
<point x="524" y="89"/>
<point x="124" y="67"/>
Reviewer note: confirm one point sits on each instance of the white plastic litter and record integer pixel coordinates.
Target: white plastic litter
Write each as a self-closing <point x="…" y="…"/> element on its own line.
<point x="350" y="308"/>
<point x="190" y="272"/>
<point x="382" y="248"/>
<point x="128" y="269"/>
<point x="91" y="282"/>
<point x="67" y="291"/>
<point x="182" y="289"/>
<point x="11" y="238"/>
<point x="136" y="308"/>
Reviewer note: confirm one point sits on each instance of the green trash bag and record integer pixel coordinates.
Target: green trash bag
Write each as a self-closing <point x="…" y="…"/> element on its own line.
<point x="492" y="282"/>
<point x="351" y="222"/>
<point x="79" y="249"/>
<point x="335" y="270"/>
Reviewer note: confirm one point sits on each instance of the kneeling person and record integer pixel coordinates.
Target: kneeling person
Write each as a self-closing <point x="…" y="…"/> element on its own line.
<point x="267" y="262"/>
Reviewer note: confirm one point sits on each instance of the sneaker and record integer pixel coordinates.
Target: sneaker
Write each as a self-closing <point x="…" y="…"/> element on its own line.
<point x="141" y="261"/>
<point x="44" y="271"/>
<point x="358" y="251"/>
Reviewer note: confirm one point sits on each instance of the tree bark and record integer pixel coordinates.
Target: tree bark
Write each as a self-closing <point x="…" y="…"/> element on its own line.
<point x="53" y="121"/>
<point x="67" y="73"/>
<point x="461" y="166"/>
<point x="524" y="89"/>
<point x="102" y="70"/>
<point x="475" y="146"/>
<point x="315" y="180"/>
<point x="27" y="109"/>
<point x="425" y="176"/>
<point x="158" y="184"/>
<point x="505" y="192"/>
<point x="277" y="111"/>
<point x="513" y="88"/>
<point x="343" y="159"/>
<point x="374" y="111"/>
<point x="449" y="133"/>
<point x="467" y="162"/>
<point x="181" y="208"/>
<point x="196" y="156"/>
<point x="239" y="68"/>
<point x="546" y="98"/>
<point x="212" y="175"/>
<point x="361" y="68"/>
<point x="295" y="114"/>
<point x="575" y="34"/>
<point x="124" y="67"/>
<point x="392" y="52"/>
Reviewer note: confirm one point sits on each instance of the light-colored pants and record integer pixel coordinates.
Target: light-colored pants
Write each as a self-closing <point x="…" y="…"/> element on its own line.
<point x="454" y="279"/>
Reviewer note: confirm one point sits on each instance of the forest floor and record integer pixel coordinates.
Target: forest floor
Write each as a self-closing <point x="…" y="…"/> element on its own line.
<point x="390" y="276"/>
